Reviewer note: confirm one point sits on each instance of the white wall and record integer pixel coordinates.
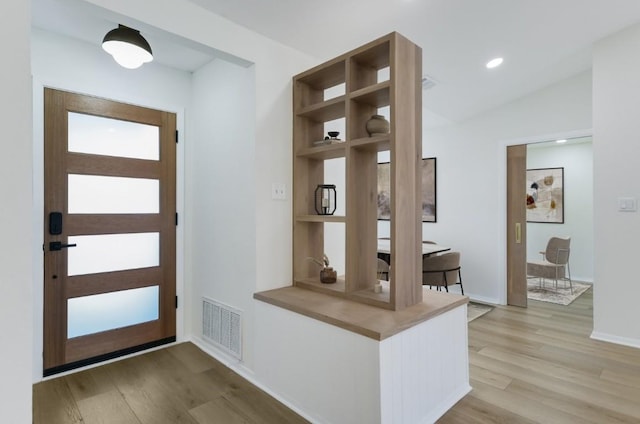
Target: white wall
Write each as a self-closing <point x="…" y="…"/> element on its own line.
<point x="471" y="173"/>
<point x="65" y="62"/>
<point x="16" y="260"/>
<point x="221" y="198"/>
<point x="275" y="66"/>
<point x="577" y="160"/>
<point x="616" y="100"/>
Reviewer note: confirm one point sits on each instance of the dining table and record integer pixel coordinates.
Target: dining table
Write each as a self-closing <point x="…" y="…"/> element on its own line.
<point x="384" y="248"/>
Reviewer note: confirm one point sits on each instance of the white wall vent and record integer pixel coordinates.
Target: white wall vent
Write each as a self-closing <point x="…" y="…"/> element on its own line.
<point x="428" y="82"/>
<point x="222" y="325"/>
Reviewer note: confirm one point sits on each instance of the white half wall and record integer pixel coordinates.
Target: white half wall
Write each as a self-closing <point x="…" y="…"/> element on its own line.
<point x="577" y="161"/>
<point x="424" y="370"/>
<point x="16" y="260"/>
<point x="471" y="188"/>
<point x="333" y="377"/>
<point x="338" y="376"/>
<point x="616" y="124"/>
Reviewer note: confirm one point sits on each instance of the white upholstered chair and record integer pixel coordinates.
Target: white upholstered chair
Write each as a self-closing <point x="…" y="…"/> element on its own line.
<point x="555" y="263"/>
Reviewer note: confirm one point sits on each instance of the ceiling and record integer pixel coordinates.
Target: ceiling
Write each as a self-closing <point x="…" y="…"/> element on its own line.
<point x="554" y="143"/>
<point x="542" y="41"/>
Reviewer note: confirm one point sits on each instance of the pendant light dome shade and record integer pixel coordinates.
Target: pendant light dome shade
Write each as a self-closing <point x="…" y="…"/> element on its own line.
<point x="127" y="47"/>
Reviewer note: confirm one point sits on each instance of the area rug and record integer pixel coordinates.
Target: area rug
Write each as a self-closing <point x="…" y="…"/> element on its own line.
<point x="476" y="310"/>
<point x="561" y="296"/>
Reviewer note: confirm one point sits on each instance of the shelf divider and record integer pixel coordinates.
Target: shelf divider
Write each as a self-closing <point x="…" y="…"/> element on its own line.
<point x="321" y="218"/>
<point x="361" y="70"/>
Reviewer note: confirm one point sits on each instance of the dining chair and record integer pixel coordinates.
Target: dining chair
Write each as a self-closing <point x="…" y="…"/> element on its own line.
<point x="442" y="271"/>
<point x="554" y="264"/>
<point x="383" y="270"/>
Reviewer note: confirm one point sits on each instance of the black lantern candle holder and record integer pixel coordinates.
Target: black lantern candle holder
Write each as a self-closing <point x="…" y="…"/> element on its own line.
<point x="325" y="199"/>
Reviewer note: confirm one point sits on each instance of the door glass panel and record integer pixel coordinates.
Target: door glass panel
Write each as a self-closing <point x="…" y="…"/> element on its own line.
<point x="102" y="312"/>
<point x="112" y="252"/>
<point x="111" y="137"/>
<point x="101" y="194"/>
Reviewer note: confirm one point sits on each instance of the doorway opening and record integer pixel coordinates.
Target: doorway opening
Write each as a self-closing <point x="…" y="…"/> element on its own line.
<point x="566" y="211"/>
<point x="572" y="218"/>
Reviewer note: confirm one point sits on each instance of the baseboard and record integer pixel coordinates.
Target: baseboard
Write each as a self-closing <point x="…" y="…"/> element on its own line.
<point x="220" y="355"/>
<point x="483" y="299"/>
<point x="246" y="373"/>
<point x="473" y="297"/>
<point x="447" y="405"/>
<point x="582" y="280"/>
<point x="610" y="338"/>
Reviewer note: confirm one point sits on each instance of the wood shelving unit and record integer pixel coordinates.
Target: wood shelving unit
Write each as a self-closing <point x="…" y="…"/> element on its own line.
<point x="364" y="95"/>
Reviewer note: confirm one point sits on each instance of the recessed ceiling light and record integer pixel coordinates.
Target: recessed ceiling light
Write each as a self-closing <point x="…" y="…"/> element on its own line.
<point x="494" y="63"/>
<point x="561" y="141"/>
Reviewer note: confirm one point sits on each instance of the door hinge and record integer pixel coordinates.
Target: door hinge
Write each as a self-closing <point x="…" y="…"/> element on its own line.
<point x="176" y="219"/>
<point x="176" y="136"/>
<point x="176" y="302"/>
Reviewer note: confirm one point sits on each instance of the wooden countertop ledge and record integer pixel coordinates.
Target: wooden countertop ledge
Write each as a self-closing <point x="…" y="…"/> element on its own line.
<point x="369" y="321"/>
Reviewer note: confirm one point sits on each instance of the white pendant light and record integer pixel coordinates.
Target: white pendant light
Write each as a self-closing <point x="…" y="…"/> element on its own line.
<point x="127" y="46"/>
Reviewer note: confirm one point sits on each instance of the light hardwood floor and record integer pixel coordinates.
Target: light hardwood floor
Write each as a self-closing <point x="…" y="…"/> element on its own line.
<point x="179" y="384"/>
<point x="538" y="365"/>
<point x="534" y="365"/>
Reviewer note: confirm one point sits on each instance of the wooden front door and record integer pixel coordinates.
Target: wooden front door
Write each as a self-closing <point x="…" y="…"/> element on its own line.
<point x="109" y="233"/>
<point x="516" y="226"/>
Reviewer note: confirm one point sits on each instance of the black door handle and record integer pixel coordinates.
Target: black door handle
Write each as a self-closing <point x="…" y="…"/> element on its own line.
<point x="57" y="245"/>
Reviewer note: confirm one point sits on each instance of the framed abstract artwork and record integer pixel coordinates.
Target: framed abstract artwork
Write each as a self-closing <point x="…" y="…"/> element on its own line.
<point x="545" y="195"/>
<point x="428" y="173"/>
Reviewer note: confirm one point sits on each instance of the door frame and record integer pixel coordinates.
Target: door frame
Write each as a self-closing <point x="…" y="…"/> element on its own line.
<point x="502" y="169"/>
<point x="38" y="212"/>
